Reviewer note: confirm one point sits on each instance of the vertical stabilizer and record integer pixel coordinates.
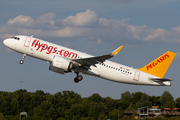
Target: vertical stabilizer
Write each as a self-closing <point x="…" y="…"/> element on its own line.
<point x="159" y="66"/>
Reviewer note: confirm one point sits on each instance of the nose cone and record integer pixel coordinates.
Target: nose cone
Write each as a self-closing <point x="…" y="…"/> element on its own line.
<point x="5" y="42"/>
<point x="9" y="43"/>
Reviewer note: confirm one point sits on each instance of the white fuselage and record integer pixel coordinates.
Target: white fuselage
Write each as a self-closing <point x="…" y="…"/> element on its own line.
<point x="108" y="70"/>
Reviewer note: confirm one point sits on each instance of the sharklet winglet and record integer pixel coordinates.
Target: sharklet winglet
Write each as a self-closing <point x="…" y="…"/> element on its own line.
<point x="115" y="52"/>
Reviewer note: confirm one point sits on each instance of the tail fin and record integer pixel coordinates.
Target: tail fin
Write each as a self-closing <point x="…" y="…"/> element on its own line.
<point x="159" y="66"/>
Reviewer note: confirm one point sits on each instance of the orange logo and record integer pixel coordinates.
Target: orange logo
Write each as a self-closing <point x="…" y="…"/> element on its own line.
<point x="157" y="61"/>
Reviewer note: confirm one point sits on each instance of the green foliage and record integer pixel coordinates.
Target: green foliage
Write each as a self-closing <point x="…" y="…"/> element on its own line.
<point x="69" y="105"/>
<point x="145" y="100"/>
<point x="125" y="100"/>
<point x="113" y="115"/>
<point x="155" y="100"/>
<point x="136" y="97"/>
<point x="177" y="102"/>
<point x="129" y="118"/>
<point x="2" y="117"/>
<point x="166" y="100"/>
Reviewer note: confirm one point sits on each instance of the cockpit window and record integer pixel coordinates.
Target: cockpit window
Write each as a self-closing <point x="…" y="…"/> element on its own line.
<point x="16" y="38"/>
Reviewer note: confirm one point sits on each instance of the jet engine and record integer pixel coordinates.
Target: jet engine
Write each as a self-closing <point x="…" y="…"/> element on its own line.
<point x="60" y="65"/>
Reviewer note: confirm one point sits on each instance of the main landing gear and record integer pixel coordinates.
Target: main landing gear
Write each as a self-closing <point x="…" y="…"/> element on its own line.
<point x="78" y="78"/>
<point x="22" y="61"/>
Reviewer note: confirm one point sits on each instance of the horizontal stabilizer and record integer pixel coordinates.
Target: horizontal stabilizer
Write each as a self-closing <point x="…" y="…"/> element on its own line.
<point x="160" y="79"/>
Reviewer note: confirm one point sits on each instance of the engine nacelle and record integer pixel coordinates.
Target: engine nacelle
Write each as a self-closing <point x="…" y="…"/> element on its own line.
<point x="60" y="65"/>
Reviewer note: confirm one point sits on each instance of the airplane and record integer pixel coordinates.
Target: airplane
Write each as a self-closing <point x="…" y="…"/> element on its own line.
<point x="63" y="60"/>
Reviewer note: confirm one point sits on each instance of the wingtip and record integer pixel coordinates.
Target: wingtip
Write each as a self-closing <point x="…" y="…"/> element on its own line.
<point x="115" y="52"/>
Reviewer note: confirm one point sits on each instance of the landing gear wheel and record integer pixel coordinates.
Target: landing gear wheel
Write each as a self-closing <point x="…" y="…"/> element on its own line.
<point x="76" y="80"/>
<point x="79" y="77"/>
<point x="21" y="61"/>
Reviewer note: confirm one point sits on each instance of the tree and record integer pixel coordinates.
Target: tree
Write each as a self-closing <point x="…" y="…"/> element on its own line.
<point x="136" y="97"/>
<point x="39" y="92"/>
<point x="102" y="116"/>
<point x="95" y="98"/>
<point x="178" y="102"/>
<point x="145" y="100"/>
<point x="113" y="115"/>
<point x="96" y="109"/>
<point x="165" y="98"/>
<point x="169" y="103"/>
<point x="78" y="110"/>
<point x="70" y="94"/>
<point x="155" y="100"/>
<point x="139" y="104"/>
<point x="110" y="103"/>
<point x="125" y="100"/>
<point x="45" y="106"/>
<point x="2" y="117"/>
<point x="45" y="110"/>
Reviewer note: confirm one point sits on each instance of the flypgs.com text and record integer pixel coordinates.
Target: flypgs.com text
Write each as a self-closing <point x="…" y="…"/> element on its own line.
<point x="52" y="49"/>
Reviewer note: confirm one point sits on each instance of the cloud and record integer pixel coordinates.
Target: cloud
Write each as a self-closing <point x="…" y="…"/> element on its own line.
<point x="47" y="18"/>
<point x="156" y="34"/>
<point x="19" y="20"/>
<point x="88" y="26"/>
<point x="87" y="18"/>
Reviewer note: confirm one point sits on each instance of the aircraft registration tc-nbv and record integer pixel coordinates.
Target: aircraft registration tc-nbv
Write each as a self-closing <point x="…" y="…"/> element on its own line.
<point x="63" y="60"/>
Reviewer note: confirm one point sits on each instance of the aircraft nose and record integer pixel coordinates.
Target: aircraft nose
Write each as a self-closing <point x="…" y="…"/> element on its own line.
<point x="8" y="43"/>
<point x="5" y="42"/>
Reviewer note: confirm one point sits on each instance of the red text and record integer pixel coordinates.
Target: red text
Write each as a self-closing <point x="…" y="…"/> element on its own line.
<point x="157" y="61"/>
<point x="52" y="49"/>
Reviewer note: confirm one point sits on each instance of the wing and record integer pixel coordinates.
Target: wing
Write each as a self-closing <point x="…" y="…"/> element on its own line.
<point x="87" y="62"/>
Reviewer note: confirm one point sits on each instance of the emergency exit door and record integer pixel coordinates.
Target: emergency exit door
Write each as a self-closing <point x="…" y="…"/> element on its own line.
<point x="27" y="42"/>
<point x="137" y="75"/>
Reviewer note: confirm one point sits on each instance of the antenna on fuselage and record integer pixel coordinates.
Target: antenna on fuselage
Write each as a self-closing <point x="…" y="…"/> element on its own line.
<point x="31" y="35"/>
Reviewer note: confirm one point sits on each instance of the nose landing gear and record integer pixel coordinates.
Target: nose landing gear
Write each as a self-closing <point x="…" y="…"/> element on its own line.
<point x="22" y="61"/>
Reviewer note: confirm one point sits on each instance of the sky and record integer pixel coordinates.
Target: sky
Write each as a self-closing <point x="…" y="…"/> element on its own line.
<point x="146" y="28"/>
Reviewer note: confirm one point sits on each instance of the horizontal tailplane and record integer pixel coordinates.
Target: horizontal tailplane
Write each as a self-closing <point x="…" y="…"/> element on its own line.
<point x="160" y="80"/>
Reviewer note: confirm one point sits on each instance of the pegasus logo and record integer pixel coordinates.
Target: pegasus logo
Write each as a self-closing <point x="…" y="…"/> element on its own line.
<point x="157" y="61"/>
